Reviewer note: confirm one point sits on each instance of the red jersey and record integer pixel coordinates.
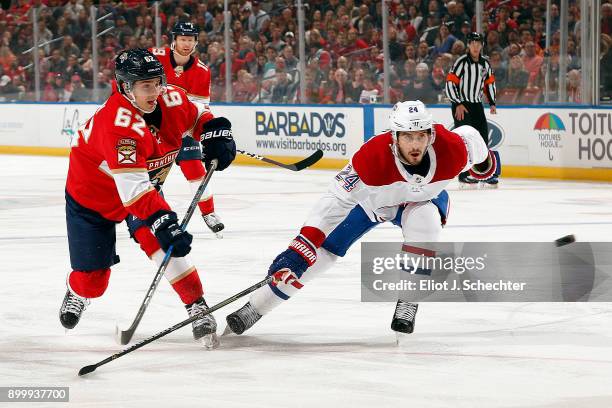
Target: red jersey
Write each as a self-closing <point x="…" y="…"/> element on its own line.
<point x="193" y="78"/>
<point x="175" y="118"/>
<point x="108" y="163"/>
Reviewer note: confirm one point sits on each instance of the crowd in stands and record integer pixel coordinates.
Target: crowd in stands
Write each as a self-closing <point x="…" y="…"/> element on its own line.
<point x="343" y="42"/>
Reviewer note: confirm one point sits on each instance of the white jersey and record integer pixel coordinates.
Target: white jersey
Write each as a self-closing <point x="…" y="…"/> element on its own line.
<point x="377" y="181"/>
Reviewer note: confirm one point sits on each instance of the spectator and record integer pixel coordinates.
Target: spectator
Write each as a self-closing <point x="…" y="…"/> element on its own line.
<point x="69" y="47"/>
<point x="370" y="92"/>
<point x="257" y="17"/>
<point x="518" y="77"/>
<point x="276" y="42"/>
<point x="421" y="88"/>
<point x="499" y="69"/>
<point x="415" y="18"/>
<point x="79" y="92"/>
<point x="291" y="62"/>
<point x="444" y="42"/>
<point x="362" y="20"/>
<point x="605" y="67"/>
<point x="408" y="74"/>
<point x="244" y="89"/>
<point x="606" y="18"/>
<point x="458" y="49"/>
<point x="493" y="43"/>
<point x="280" y="89"/>
<point x="57" y="63"/>
<point x="430" y="32"/>
<point x="466" y="28"/>
<point x="406" y="32"/>
<point x="49" y="91"/>
<point x="574" y="94"/>
<point x="339" y="87"/>
<point x="531" y="61"/>
<point x="356" y="86"/>
<point x="423" y="53"/>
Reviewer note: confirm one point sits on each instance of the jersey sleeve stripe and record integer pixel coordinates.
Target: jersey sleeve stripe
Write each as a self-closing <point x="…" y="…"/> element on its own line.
<point x="131" y="186"/>
<point x="129" y="170"/>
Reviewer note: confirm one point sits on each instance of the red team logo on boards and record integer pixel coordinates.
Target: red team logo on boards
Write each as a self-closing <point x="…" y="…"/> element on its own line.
<point x="126" y="151"/>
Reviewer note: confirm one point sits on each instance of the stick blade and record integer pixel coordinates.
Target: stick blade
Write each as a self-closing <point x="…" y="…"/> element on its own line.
<point x="123" y="337"/>
<point x="87" y="369"/>
<point x="309" y="161"/>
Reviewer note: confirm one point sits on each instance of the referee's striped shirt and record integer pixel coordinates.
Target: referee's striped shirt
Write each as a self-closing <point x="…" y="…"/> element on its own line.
<point x="467" y="80"/>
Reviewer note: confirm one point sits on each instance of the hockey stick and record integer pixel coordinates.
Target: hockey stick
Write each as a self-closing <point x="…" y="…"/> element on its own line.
<point x="88" y="369"/>
<point x="124" y="336"/>
<point x="301" y="165"/>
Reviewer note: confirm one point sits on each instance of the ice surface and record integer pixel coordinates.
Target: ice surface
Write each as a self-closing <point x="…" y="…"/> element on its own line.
<point x="323" y="348"/>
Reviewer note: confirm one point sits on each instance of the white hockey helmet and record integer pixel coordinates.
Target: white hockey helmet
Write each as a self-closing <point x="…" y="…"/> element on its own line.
<point x="411" y="116"/>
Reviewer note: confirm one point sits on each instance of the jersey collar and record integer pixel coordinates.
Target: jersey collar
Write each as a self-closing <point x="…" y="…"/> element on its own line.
<point x="417" y="179"/>
<point x="186" y="66"/>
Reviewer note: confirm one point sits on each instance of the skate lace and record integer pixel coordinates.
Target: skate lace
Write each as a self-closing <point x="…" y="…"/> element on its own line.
<point x="249" y="315"/>
<point x="75" y="305"/>
<point x="405" y="310"/>
<point x="196" y="308"/>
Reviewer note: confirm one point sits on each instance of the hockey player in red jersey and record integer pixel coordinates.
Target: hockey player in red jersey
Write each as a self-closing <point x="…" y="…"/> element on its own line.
<point x="397" y="176"/>
<point x="184" y="70"/>
<point x="108" y="179"/>
<point x="177" y="124"/>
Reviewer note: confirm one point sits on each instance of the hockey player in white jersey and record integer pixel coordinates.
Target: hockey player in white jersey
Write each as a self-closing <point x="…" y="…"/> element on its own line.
<point x="397" y="176"/>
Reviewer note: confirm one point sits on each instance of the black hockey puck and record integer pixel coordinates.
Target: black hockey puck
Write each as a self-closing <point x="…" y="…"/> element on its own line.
<point x="568" y="239"/>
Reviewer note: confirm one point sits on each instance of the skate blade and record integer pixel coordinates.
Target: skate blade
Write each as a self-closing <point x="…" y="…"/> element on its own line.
<point x="468" y="186"/>
<point x="398" y="337"/>
<point x="219" y="235"/>
<point x="210" y="341"/>
<point x="487" y="186"/>
<point x="227" y="331"/>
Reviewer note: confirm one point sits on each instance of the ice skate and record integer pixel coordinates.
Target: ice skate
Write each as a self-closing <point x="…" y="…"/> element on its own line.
<point x="213" y="221"/>
<point x="204" y="328"/>
<point x="241" y="320"/>
<point x="72" y="308"/>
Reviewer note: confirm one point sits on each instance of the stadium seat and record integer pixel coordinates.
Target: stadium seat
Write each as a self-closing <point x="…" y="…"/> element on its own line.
<point x="530" y="96"/>
<point x="507" y="96"/>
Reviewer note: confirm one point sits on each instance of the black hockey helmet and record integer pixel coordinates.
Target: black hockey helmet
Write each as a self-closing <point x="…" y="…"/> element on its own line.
<point x="137" y="64"/>
<point x="184" y="28"/>
<point x="474" y="37"/>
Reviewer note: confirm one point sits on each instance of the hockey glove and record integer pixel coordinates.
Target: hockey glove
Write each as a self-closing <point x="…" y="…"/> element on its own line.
<point x="165" y="227"/>
<point x="296" y="259"/>
<point x="486" y="169"/>
<point x="218" y="143"/>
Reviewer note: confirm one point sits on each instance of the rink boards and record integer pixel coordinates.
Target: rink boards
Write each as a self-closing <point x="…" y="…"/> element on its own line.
<point x="562" y="142"/>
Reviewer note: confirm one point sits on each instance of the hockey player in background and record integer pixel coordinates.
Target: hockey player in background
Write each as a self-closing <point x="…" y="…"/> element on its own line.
<point x="108" y="179"/>
<point x="397" y="176"/>
<point x="184" y="70"/>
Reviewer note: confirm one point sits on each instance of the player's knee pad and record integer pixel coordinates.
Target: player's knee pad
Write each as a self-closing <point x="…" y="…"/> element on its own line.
<point x="89" y="284"/>
<point x="486" y="169"/>
<point x="147" y="241"/>
<point x="421" y="222"/>
<point x="270" y="296"/>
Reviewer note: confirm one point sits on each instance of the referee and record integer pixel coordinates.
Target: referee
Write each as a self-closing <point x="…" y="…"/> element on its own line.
<point x="470" y="76"/>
